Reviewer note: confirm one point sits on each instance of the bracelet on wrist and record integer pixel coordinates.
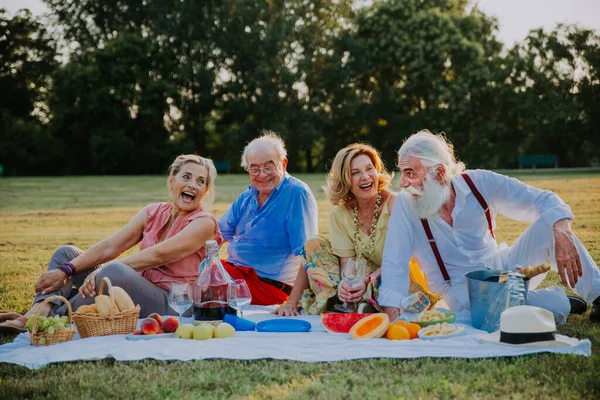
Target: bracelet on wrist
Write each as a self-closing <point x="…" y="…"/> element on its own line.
<point x="68" y="269"/>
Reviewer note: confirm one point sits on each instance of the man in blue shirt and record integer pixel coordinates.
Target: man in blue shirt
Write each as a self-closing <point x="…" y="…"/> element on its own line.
<point x="268" y="224"/>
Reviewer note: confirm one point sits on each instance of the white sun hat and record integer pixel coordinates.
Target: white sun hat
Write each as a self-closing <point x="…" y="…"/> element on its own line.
<point x="528" y="326"/>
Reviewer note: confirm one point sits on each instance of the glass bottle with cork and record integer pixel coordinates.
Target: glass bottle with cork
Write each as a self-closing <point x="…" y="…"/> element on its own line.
<point x="210" y="289"/>
<point x="512" y="294"/>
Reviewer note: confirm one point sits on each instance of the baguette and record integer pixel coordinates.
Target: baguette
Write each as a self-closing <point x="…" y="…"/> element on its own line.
<point x="122" y="299"/>
<point x="530" y="271"/>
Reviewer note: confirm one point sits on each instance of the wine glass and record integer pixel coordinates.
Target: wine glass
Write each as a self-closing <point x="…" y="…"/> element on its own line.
<point x="415" y="303"/>
<point x="180" y="298"/>
<point x="351" y="276"/>
<point x="238" y="295"/>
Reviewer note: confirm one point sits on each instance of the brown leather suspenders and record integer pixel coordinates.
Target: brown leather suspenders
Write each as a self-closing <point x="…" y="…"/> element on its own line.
<point x="436" y="251"/>
<point x="481" y="201"/>
<point x="434" y="248"/>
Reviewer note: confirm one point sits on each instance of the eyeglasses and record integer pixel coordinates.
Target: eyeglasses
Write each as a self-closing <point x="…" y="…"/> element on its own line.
<point x="267" y="169"/>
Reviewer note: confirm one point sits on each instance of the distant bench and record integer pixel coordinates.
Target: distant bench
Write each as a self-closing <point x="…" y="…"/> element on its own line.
<point x="222" y="166"/>
<point x="533" y="161"/>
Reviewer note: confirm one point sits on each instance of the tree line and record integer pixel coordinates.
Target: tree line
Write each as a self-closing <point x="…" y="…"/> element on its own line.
<point x="122" y="86"/>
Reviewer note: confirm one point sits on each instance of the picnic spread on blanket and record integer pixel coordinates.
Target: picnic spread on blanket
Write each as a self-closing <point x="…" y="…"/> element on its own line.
<point x="105" y="331"/>
<point x="499" y="324"/>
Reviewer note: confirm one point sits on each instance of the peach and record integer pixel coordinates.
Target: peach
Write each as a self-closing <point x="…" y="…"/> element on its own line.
<point x="137" y="332"/>
<point x="170" y="324"/>
<point x="150" y="326"/>
<point x="157" y="317"/>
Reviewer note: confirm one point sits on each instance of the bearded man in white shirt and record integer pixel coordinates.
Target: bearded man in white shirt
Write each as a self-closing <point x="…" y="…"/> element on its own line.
<point x="445" y="220"/>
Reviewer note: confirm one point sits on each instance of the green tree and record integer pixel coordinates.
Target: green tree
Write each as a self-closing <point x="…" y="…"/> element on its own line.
<point x="419" y="65"/>
<point x="236" y="65"/>
<point x="216" y="72"/>
<point x="27" y="57"/>
<point x="109" y="106"/>
<point x="553" y="84"/>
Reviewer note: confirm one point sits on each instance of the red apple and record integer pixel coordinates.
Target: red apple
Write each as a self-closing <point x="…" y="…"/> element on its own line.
<point x="150" y="326"/>
<point x="170" y="324"/>
<point x="157" y="317"/>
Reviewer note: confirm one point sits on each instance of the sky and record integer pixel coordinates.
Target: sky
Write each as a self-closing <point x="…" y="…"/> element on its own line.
<point x="515" y="17"/>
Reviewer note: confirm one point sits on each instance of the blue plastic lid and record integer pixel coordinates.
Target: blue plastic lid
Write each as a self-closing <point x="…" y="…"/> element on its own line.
<point x="283" y="325"/>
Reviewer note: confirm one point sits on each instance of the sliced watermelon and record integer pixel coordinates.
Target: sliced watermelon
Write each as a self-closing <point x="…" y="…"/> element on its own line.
<point x="340" y="322"/>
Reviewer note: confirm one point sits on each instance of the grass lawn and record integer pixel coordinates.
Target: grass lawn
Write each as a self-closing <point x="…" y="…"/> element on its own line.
<point x="37" y="215"/>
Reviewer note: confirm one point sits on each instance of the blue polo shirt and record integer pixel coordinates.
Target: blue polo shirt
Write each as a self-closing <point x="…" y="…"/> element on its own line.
<point x="270" y="238"/>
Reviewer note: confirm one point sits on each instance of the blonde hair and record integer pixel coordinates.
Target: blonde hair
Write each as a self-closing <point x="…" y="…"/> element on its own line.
<point x="267" y="137"/>
<point x="207" y="163"/>
<point x="432" y="150"/>
<point x="339" y="180"/>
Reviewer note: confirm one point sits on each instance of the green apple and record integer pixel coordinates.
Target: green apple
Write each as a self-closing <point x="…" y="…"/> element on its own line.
<point x="185" y="331"/>
<point x="203" y="332"/>
<point x="224" y="330"/>
<point x="211" y="327"/>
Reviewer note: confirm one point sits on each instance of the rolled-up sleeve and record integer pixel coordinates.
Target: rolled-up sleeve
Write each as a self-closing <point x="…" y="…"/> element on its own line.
<point x="302" y="221"/>
<point x="522" y="202"/>
<point x="229" y="220"/>
<point x="397" y="253"/>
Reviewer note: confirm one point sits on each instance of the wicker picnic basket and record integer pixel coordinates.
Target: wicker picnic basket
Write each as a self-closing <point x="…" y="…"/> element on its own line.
<point x="90" y="324"/>
<point x="60" y="335"/>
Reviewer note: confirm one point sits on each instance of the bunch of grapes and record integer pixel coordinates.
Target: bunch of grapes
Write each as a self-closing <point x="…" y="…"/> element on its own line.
<point x="48" y="325"/>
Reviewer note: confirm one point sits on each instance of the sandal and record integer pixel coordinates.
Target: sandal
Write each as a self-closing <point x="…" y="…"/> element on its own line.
<point x="13" y="326"/>
<point x="7" y="316"/>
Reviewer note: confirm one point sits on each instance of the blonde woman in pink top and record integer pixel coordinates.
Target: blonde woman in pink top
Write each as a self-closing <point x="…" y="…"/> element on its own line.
<point x="171" y="236"/>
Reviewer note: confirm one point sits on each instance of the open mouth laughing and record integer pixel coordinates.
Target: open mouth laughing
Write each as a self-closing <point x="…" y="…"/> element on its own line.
<point x="366" y="186"/>
<point x="188" y="197"/>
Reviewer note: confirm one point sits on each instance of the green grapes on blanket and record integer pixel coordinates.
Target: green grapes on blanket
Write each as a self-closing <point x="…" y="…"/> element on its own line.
<point x="48" y="325"/>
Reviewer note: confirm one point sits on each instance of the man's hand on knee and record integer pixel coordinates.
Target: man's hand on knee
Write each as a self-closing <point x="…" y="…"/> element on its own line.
<point x="567" y="256"/>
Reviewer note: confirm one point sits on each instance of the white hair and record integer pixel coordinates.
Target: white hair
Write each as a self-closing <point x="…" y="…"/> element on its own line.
<point x="270" y="139"/>
<point x="432" y="150"/>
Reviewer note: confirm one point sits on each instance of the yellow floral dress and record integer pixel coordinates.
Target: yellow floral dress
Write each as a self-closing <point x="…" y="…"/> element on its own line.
<point x="322" y="262"/>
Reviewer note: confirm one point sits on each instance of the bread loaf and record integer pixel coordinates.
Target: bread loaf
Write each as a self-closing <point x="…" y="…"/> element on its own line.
<point x="87" y="309"/>
<point x="122" y="299"/>
<point x="105" y="305"/>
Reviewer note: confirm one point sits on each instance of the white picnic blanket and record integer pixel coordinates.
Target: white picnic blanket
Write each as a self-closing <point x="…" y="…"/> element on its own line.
<point x="315" y="346"/>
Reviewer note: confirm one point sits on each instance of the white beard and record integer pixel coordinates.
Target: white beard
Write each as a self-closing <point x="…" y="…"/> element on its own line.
<point x="429" y="199"/>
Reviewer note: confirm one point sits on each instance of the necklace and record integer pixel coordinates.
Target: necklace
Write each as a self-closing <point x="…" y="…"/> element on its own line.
<point x="370" y="247"/>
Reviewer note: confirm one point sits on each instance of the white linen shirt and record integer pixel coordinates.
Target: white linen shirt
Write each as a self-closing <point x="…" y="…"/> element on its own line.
<point x="468" y="244"/>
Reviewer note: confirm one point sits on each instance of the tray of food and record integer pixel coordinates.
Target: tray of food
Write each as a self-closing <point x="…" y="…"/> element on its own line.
<point x="441" y="331"/>
<point x="432" y="317"/>
<point x="139" y="336"/>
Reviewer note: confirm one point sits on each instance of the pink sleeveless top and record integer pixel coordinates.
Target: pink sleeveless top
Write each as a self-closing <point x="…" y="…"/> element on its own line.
<point x="185" y="269"/>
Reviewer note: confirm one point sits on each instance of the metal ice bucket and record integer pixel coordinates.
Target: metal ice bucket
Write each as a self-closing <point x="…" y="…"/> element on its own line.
<point x="482" y="293"/>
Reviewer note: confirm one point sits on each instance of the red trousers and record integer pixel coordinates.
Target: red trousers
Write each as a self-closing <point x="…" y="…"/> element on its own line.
<point x="263" y="294"/>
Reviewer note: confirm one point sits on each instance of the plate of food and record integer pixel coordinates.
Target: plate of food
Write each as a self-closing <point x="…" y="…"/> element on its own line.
<point x="441" y="331"/>
<point x="432" y="317"/>
<point x="141" y="336"/>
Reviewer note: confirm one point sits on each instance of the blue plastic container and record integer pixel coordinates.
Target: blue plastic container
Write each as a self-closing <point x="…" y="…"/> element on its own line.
<point x="240" y="324"/>
<point x="482" y="293"/>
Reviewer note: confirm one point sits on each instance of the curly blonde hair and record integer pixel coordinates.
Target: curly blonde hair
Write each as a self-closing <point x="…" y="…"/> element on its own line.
<point x="339" y="181"/>
<point x="207" y="163"/>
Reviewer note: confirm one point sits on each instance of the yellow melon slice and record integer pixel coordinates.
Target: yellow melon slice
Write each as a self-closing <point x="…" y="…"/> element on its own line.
<point x="373" y="326"/>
